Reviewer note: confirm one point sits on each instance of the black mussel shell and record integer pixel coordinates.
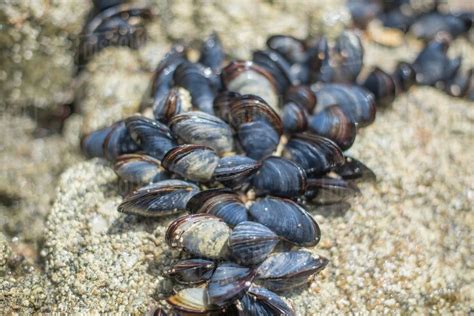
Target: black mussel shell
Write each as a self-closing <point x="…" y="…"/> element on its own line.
<point x="315" y="154"/>
<point x="154" y="137"/>
<point x="118" y="142"/>
<point x="192" y="271"/>
<point x="397" y="19"/>
<point x="92" y="144"/>
<point x="223" y="203"/>
<point x="353" y="169"/>
<point x="195" y="79"/>
<point x="101" y="5"/>
<point x="193" y="162"/>
<point x="202" y="235"/>
<point x="258" y="139"/>
<point x="222" y="104"/>
<point x="286" y="270"/>
<point x="343" y="63"/>
<point x="404" y="76"/>
<point x="159" y="199"/>
<point x="259" y="301"/>
<point x="330" y="190"/>
<point x="234" y="171"/>
<point x="291" y="48"/>
<point x="246" y="77"/>
<point x="334" y="123"/>
<point x="433" y="66"/>
<point x="250" y="243"/>
<point x="428" y="26"/>
<point x="281" y="177"/>
<point x="316" y="54"/>
<point x="139" y="168"/>
<point x="286" y="219"/>
<point x="162" y="80"/>
<point x="277" y="66"/>
<point x="460" y="85"/>
<point x="201" y="128"/>
<point x="228" y="283"/>
<point x="362" y="12"/>
<point x="303" y="96"/>
<point x="118" y="25"/>
<point x="173" y="104"/>
<point x="294" y="118"/>
<point x="356" y="101"/>
<point x="382" y="85"/>
<point x="192" y="301"/>
<point x="212" y="52"/>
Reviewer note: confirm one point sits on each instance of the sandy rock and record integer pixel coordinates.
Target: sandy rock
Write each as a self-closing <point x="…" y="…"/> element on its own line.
<point x="35" y="34"/>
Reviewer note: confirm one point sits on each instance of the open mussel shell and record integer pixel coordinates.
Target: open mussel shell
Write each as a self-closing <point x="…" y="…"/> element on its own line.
<point x="193" y="162"/>
<point x="315" y="154"/>
<point x="286" y="219"/>
<point x="404" y="76"/>
<point x="228" y="283"/>
<point x="192" y="271"/>
<point x="356" y="101"/>
<point x="287" y="270"/>
<point x="234" y="171"/>
<point x="250" y="243"/>
<point x="203" y="129"/>
<point x="192" y="301"/>
<point x="382" y="85"/>
<point x="294" y="118"/>
<point x="212" y="52"/>
<point x="202" y="235"/>
<point x="433" y="66"/>
<point x="335" y="124"/>
<point x="139" y="168"/>
<point x="330" y="190"/>
<point x="154" y="137"/>
<point x="222" y="104"/>
<point x="259" y="301"/>
<point x="291" y="48"/>
<point x="303" y="96"/>
<point x="246" y="77"/>
<point x="158" y="199"/>
<point x="223" y="203"/>
<point x="173" y="104"/>
<point x="195" y="79"/>
<point x="353" y="169"/>
<point x="281" y="177"/>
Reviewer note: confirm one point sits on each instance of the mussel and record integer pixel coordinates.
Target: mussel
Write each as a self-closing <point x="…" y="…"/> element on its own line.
<point x="193" y="162"/>
<point x="202" y="235"/>
<point x="154" y="137"/>
<point x="173" y="104"/>
<point x="262" y="302"/>
<point x="249" y="78"/>
<point x="192" y="271"/>
<point x="158" y="199"/>
<point x="281" y="177"/>
<point x="201" y="128"/>
<point x="382" y="85"/>
<point x="139" y="168"/>
<point x="286" y="219"/>
<point x="286" y="270"/>
<point x="250" y="243"/>
<point x="236" y="171"/>
<point x="223" y="203"/>
<point x="212" y="52"/>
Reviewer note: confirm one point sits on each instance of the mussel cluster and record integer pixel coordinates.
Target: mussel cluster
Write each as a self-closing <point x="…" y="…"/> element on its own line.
<point x="437" y="29"/>
<point x="243" y="147"/>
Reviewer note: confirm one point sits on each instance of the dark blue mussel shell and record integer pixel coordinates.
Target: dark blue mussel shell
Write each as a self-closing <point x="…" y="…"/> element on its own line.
<point x="259" y="301"/>
<point x="192" y="271"/>
<point x="287" y="219"/>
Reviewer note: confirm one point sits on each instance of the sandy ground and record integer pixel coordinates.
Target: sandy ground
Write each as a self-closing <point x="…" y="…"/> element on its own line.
<point x="404" y="246"/>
